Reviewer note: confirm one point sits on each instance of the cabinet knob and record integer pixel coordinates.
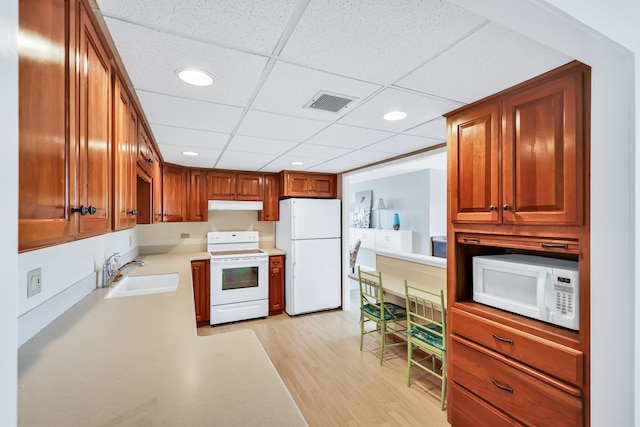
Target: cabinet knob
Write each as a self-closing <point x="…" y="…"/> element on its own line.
<point x="506" y="207"/>
<point x="149" y="160"/>
<point x="92" y="210"/>
<point x="493" y="208"/>
<point x="82" y="209"/>
<point x="132" y="212"/>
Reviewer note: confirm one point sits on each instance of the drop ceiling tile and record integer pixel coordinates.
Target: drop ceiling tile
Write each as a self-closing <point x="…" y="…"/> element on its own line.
<point x="284" y="163"/>
<point x="235" y="73"/>
<point x="501" y="58"/>
<point x="336" y="166"/>
<point x="277" y="126"/>
<point x="189" y="137"/>
<point x="251" y="144"/>
<point x="173" y="154"/>
<point x="187" y="113"/>
<point x="338" y="135"/>
<point x="377" y="41"/>
<point x="290" y="87"/>
<point x="401" y="144"/>
<point x="436" y="129"/>
<point x="241" y="161"/>
<point x="365" y="157"/>
<point x="419" y="108"/>
<point x="243" y="23"/>
<point x="321" y="152"/>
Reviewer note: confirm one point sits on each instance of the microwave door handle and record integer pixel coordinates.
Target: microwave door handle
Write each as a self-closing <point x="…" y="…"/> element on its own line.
<point x="542" y="306"/>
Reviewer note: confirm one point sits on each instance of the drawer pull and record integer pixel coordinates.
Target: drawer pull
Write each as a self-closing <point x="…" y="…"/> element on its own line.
<point x="470" y="239"/>
<point x="508" y="341"/>
<point x="548" y="246"/>
<point x="502" y="387"/>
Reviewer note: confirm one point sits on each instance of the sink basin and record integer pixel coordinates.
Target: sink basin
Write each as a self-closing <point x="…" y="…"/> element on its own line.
<point x="143" y="285"/>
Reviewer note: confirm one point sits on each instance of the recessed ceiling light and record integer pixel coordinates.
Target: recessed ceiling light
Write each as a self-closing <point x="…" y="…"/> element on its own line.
<point x="190" y="153"/>
<point x="195" y="77"/>
<point x="297" y="163"/>
<point x="395" y="115"/>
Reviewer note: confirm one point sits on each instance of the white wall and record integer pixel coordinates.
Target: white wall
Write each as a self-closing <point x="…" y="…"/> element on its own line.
<point x="9" y="214"/>
<point x="615" y="104"/>
<point x="69" y="272"/>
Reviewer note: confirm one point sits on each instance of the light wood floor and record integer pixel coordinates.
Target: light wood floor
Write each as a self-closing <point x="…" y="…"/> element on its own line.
<point x="333" y="383"/>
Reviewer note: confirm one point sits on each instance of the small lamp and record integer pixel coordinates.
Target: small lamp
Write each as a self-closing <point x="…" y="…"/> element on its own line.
<point x="380" y="207"/>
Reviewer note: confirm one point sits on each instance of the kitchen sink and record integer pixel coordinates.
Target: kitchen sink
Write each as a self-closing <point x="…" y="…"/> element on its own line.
<point x="142" y="285"/>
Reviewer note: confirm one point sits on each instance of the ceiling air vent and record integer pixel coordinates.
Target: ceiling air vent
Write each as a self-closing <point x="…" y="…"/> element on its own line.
<point x="328" y="102"/>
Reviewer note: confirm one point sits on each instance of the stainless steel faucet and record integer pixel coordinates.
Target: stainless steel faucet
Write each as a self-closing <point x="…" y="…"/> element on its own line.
<point x="112" y="270"/>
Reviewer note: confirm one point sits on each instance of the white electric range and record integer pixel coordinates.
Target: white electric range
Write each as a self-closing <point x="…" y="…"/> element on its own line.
<point x="239" y="277"/>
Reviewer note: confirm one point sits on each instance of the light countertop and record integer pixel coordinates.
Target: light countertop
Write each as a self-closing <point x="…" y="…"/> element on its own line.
<point x="138" y="361"/>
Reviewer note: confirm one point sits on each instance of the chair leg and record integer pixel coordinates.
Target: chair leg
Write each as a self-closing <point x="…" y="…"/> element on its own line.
<point x="443" y="396"/>
<point x="409" y="356"/>
<point x="361" y="329"/>
<point x="383" y="331"/>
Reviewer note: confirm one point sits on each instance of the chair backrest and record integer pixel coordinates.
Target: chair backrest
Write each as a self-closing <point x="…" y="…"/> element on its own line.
<point x="371" y="290"/>
<point x="354" y="254"/>
<point x="426" y="313"/>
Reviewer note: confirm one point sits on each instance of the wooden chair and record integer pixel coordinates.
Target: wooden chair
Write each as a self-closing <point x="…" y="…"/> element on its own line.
<point x="427" y="331"/>
<point x="385" y="315"/>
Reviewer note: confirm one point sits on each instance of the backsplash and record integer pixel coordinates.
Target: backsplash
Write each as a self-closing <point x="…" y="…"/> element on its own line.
<point x="171" y="237"/>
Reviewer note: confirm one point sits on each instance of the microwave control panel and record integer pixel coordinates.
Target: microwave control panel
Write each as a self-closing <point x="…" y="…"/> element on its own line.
<point x="564" y="289"/>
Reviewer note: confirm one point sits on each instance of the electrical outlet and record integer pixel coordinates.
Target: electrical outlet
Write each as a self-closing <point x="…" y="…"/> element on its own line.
<point x="130" y="240"/>
<point x="184" y="235"/>
<point x="34" y="282"/>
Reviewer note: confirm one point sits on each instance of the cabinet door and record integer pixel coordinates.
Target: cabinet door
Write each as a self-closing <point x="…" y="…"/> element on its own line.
<point x="323" y="186"/>
<point x="94" y="130"/>
<point x="200" y="274"/>
<point x="47" y="150"/>
<point x="145" y="159"/>
<point x="174" y="193"/>
<point x="221" y="185"/>
<point x="270" y="208"/>
<point x="124" y="201"/>
<point x="249" y="186"/>
<point x="157" y="189"/>
<point x="276" y="284"/>
<point x="473" y="141"/>
<point x="297" y="184"/>
<point x="543" y="151"/>
<point x="197" y="202"/>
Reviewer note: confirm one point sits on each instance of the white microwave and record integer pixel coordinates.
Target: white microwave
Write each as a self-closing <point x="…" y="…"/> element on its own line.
<point x="538" y="287"/>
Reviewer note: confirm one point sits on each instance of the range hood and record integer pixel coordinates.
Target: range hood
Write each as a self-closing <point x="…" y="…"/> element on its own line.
<point x="234" y="205"/>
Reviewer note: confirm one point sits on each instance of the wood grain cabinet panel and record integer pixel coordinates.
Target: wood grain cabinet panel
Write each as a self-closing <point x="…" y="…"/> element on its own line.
<point x="230" y="185"/>
<point x="276" y="284"/>
<point x="94" y="135"/>
<point x="197" y="203"/>
<point x="200" y="274"/>
<point x="270" y="203"/>
<point x="307" y="184"/>
<point x="471" y="411"/>
<point x="124" y="179"/>
<point x="516" y="390"/>
<point x="47" y="125"/>
<point x="157" y="188"/>
<point x="174" y="193"/>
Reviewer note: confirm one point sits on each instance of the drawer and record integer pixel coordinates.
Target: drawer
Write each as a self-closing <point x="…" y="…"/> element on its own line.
<point x="275" y="261"/>
<point x="554" y="359"/>
<point x="525" y="394"/>
<point x="467" y="410"/>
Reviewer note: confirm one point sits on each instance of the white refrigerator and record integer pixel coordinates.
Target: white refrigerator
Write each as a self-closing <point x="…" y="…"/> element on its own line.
<point x="309" y="232"/>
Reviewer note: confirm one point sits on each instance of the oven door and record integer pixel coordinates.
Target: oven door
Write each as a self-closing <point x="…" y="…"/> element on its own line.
<point x="239" y="279"/>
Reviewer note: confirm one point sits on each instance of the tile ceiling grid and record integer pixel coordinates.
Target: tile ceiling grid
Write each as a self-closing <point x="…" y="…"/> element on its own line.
<point x="269" y="58"/>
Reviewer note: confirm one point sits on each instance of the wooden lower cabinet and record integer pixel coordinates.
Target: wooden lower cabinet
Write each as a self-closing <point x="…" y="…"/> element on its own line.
<point x="276" y="284"/>
<point x="527" y="395"/>
<point x="470" y="411"/>
<point x="200" y="274"/>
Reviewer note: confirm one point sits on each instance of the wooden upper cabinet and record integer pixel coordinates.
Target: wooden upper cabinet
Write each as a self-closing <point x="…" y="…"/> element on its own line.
<point x="197" y="203"/>
<point x="228" y="185"/>
<point x="145" y="155"/>
<point x="529" y="170"/>
<point x="543" y="149"/>
<point x="94" y="130"/>
<point x="125" y="120"/>
<point x="174" y="193"/>
<point x="270" y="202"/>
<point x="47" y="126"/>
<point x="307" y="184"/>
<point x="474" y="164"/>
<point x="157" y="189"/>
